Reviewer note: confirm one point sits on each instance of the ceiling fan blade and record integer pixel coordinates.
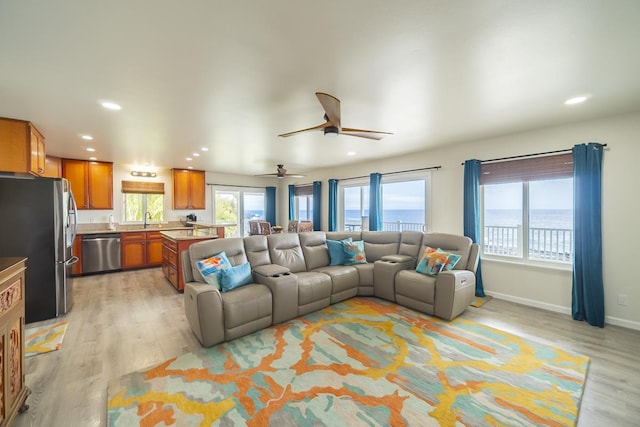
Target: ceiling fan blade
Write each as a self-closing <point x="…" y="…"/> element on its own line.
<point x="362" y="133"/>
<point x="295" y="132"/>
<point x="331" y="106"/>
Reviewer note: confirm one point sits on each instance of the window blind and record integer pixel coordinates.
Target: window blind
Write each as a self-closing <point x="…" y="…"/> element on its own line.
<point x="527" y="169"/>
<point x="303" y="190"/>
<point x="142" y="187"/>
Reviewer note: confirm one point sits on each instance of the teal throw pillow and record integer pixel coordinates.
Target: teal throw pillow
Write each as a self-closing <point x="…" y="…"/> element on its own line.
<point x="354" y="253"/>
<point x="210" y="268"/>
<point x="234" y="277"/>
<point x="336" y="251"/>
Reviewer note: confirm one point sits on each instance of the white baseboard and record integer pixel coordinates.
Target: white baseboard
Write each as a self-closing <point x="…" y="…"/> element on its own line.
<point x="560" y="309"/>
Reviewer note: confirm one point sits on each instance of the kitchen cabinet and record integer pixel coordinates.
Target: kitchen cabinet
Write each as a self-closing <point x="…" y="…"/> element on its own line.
<point x="76" y="269"/>
<point x="13" y="390"/>
<point x="91" y="183"/>
<point x="154" y="248"/>
<point x="188" y="189"/>
<point x="52" y="167"/>
<point x="141" y="249"/>
<point x="22" y="147"/>
<point x="174" y="242"/>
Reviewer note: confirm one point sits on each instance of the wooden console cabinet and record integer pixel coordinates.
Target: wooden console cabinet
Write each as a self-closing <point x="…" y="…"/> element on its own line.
<point x="13" y="391"/>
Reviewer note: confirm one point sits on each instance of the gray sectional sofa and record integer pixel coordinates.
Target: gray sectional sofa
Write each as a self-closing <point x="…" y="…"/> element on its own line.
<point x="292" y="276"/>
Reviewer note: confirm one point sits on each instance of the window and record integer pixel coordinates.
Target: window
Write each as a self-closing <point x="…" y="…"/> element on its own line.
<point x="238" y="206"/>
<point x="142" y="198"/>
<point x="303" y="202"/>
<point x="528" y="209"/>
<point x="404" y="203"/>
<point x="355" y="202"/>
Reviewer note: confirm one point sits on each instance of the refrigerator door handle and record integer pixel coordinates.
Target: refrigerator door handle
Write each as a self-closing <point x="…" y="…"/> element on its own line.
<point x="73" y="213"/>
<point x="71" y="261"/>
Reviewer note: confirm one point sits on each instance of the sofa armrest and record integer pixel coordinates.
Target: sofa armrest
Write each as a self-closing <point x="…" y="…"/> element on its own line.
<point x="384" y="274"/>
<point x="203" y="308"/>
<point x="284" y="290"/>
<point x="454" y="292"/>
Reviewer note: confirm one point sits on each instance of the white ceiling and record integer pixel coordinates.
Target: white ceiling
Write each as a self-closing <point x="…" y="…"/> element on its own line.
<point x="232" y="75"/>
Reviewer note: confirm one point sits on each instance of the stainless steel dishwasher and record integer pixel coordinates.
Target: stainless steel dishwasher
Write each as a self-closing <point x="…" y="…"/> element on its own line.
<point x="100" y="252"/>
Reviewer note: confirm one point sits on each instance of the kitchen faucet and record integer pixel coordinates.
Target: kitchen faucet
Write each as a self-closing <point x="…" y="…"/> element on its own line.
<point x="146" y="214"/>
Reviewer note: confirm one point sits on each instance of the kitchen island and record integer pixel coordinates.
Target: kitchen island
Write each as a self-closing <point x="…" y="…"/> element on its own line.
<point x="176" y="241"/>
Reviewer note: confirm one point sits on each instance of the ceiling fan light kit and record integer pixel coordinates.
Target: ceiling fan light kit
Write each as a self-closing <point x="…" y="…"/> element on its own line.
<point x="331" y="106"/>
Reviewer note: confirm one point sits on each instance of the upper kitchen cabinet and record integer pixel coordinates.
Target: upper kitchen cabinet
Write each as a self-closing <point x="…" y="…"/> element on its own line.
<point x="91" y="183"/>
<point x="52" y="167"/>
<point x="22" y="147"/>
<point x="188" y="189"/>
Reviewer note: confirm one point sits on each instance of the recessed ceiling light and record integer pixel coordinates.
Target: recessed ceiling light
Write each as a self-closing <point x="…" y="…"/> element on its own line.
<point x="110" y="105"/>
<point x="190" y="167"/>
<point x="189" y="159"/>
<point x="93" y="158"/>
<point x="196" y="154"/>
<point x="86" y="137"/>
<point x="204" y="149"/>
<point x="91" y="149"/>
<point x="576" y="100"/>
<point x="351" y="153"/>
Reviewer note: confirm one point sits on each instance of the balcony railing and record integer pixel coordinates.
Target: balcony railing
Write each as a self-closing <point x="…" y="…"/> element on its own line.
<point x="391" y="226"/>
<point x="548" y="244"/>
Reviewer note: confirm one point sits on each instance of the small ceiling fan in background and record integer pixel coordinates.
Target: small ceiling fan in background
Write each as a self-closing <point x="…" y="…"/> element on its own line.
<point x="331" y="106"/>
<point x="282" y="172"/>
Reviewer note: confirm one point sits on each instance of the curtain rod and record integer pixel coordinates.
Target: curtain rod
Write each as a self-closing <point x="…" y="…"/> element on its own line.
<point x="566" y="150"/>
<point x="393" y="173"/>
<point x="240" y="186"/>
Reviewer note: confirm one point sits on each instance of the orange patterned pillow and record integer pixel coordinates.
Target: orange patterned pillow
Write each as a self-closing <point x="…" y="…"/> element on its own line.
<point x="432" y="262"/>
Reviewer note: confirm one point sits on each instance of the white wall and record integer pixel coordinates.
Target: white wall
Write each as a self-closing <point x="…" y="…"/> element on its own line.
<point x="546" y="288"/>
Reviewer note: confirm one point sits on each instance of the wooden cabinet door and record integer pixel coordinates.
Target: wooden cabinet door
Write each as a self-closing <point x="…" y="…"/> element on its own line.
<point x="37" y="155"/>
<point x="188" y="189"/>
<point x="197" y="189"/>
<point x="76" y="250"/>
<point x="76" y="172"/>
<point x="52" y="167"/>
<point x="133" y="250"/>
<point x="181" y="189"/>
<point x="100" y="185"/>
<point x="154" y="248"/>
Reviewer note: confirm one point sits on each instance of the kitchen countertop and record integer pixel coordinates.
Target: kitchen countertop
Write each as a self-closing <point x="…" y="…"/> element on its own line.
<point x="136" y="228"/>
<point x="191" y="234"/>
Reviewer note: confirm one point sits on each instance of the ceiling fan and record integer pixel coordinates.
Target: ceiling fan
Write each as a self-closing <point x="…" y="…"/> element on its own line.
<point x="331" y="106"/>
<point x="281" y="173"/>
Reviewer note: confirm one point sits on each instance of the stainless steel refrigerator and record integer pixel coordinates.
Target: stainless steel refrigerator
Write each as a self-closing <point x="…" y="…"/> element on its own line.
<point x="38" y="220"/>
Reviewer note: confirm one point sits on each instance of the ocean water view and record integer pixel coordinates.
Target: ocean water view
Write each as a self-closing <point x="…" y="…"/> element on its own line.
<point x="538" y="218"/>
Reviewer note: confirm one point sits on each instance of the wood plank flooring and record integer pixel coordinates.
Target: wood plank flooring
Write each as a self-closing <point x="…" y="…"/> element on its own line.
<point x="126" y="321"/>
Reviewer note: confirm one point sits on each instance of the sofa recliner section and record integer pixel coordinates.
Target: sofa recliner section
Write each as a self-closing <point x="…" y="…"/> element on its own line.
<point x="292" y="276"/>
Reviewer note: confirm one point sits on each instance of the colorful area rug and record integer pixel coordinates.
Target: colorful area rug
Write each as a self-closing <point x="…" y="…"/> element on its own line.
<point x="360" y="362"/>
<point x="479" y="301"/>
<point x="43" y="339"/>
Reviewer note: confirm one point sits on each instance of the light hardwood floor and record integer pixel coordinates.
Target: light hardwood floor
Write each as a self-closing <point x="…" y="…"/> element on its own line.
<point x="126" y="321"/>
